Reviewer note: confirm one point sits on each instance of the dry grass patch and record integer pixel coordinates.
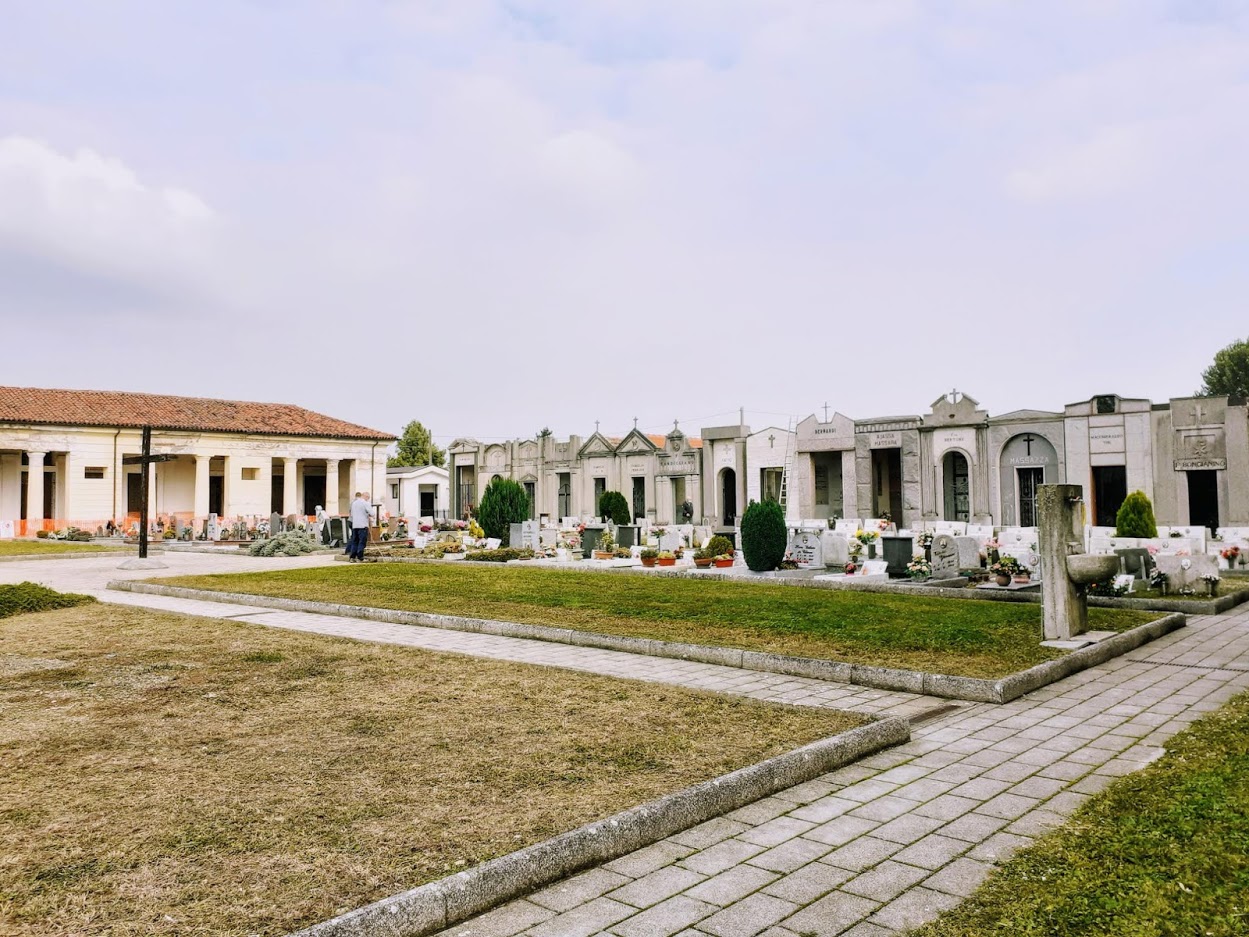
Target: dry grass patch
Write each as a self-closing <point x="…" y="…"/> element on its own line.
<point x="45" y="547"/>
<point x="169" y="775"/>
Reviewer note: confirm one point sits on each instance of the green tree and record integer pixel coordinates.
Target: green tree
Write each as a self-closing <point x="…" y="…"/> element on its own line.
<point x="1229" y="374"/>
<point x="613" y="507"/>
<point x="416" y="447"/>
<point x="503" y="503"/>
<point x="764" y="535"/>
<point x="1136" y="517"/>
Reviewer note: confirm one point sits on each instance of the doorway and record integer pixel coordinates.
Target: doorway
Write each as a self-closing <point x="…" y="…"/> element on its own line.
<point x="1110" y="487"/>
<point x="770" y="484"/>
<point x="427" y="503"/>
<point x="728" y="497"/>
<point x="532" y="494"/>
<point x="277" y="495"/>
<point x="887" y="483"/>
<point x="314" y="494"/>
<point x="1029" y="479"/>
<point x="678" y="500"/>
<point x="957" y="487"/>
<point x="1203" y="499"/>
<point x="134" y="492"/>
<point x="639" y="497"/>
<point x="564" y="494"/>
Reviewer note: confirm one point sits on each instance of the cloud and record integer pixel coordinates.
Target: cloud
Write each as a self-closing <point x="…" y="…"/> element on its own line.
<point x="92" y="214"/>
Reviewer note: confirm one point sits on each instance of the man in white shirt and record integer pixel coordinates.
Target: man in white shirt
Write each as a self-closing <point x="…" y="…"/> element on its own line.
<point x="360" y="517"/>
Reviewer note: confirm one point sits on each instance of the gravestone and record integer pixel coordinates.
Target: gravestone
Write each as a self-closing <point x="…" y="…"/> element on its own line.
<point x="549" y="538"/>
<point x="804" y="546"/>
<point x="212" y="529"/>
<point x="493" y="543"/>
<point x="671" y="539"/>
<point x="275" y="524"/>
<point x="628" y="535"/>
<point x="848" y="525"/>
<point x="1125" y="581"/>
<point x="944" y="557"/>
<point x="336" y="531"/>
<point x="589" y="539"/>
<point x="898" y="552"/>
<point x="1186" y="572"/>
<point x="525" y="534"/>
<point x="835" y="547"/>
<point x="419" y="541"/>
<point x="1136" y="562"/>
<point x="968" y="552"/>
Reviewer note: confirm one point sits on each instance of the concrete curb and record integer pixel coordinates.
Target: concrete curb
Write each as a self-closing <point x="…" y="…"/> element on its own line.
<point x="446" y="902"/>
<point x="948" y="686"/>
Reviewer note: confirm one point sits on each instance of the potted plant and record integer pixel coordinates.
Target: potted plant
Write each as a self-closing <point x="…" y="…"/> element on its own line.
<point x="1004" y="569"/>
<point x="1231" y="555"/>
<point x="722" y="560"/>
<point x="648" y="557"/>
<point x="667" y="558"/>
<point x="702" y="560"/>
<point x="605" y="548"/>
<point x="868" y="539"/>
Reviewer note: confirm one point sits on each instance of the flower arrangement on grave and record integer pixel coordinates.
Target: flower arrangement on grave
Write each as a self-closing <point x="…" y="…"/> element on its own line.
<point x="606" y="542"/>
<point x="475" y="529"/>
<point x="855" y="549"/>
<point x="1212" y="581"/>
<point x="919" y="567"/>
<point x="461" y="524"/>
<point x="666" y="558"/>
<point x="866" y="537"/>
<point x="1232" y="555"/>
<point x="923" y="539"/>
<point x="788" y="563"/>
<point x="1175" y="533"/>
<point x="648" y="557"/>
<point x="1152" y="549"/>
<point x="850" y="568"/>
<point x="723" y="560"/>
<point x="1106" y="590"/>
<point x="1005" y="566"/>
<point x="1158" y="581"/>
<point x="884" y="523"/>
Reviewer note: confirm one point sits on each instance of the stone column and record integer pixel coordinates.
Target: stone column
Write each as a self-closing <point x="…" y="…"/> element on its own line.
<point x="290" y="468"/>
<point x="1064" y="608"/>
<point x="200" y="504"/>
<point x="34" y="491"/>
<point x="331" y="487"/>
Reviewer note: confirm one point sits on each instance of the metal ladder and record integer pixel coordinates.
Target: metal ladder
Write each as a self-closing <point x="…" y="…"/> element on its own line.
<point x="786" y="467"/>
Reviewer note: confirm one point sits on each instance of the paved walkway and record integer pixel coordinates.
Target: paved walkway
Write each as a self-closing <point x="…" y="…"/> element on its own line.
<point x="869" y="850"/>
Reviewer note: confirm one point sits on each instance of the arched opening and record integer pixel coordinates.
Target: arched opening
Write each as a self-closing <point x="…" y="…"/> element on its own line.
<point x="728" y="497"/>
<point x="1027" y="460"/>
<point x="957" y="483"/>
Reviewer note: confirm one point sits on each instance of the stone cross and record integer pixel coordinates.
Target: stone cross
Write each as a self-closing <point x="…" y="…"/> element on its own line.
<point x="772" y="442"/>
<point x="825" y="411"/>
<point x="1199" y="413"/>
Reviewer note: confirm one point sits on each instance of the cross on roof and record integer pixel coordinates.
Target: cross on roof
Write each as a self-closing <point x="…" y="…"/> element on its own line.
<point x="635" y="422"/>
<point x="825" y="411"/>
<point x="596" y="426"/>
<point x="954" y="395"/>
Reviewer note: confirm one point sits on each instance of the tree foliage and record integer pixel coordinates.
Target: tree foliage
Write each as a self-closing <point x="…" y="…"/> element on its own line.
<point x="613" y="507"/>
<point x="1229" y="374"/>
<point x="503" y="503"/>
<point x="764" y="535"/>
<point x="1136" y="517"/>
<point x="416" y="447"/>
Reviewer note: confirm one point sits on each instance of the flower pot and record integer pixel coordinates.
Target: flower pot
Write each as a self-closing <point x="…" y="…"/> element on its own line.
<point x="648" y="561"/>
<point x="1022" y="577"/>
<point x="668" y="561"/>
<point x="722" y="564"/>
<point x="1002" y="580"/>
<point x="703" y="564"/>
<point x="603" y="555"/>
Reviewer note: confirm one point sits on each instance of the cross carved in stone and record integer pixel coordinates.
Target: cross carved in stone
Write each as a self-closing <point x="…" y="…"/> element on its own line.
<point x="1199" y="413"/>
<point x="771" y="442"/>
<point x="1028" y="442"/>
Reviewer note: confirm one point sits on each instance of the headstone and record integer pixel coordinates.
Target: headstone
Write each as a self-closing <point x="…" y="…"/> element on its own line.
<point x="1136" y="562"/>
<point x="804" y="546"/>
<point x="898" y="552"/>
<point x="848" y="525"/>
<point x="835" y="547"/>
<point x="525" y="534"/>
<point x="493" y="543"/>
<point x="291" y="522"/>
<point x="1186" y="572"/>
<point x="944" y="557"/>
<point x="275" y="524"/>
<point x="589" y="539"/>
<point x="968" y="552"/>
<point x="1125" y="581"/>
<point x="213" y="529"/>
<point x="627" y="535"/>
<point x="548" y="538"/>
<point x="671" y="539"/>
<point x="981" y="532"/>
<point x="419" y="541"/>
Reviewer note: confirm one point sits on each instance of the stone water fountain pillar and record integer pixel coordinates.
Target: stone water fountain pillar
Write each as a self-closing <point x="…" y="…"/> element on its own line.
<point x="1066" y="570"/>
<point x="1060" y="533"/>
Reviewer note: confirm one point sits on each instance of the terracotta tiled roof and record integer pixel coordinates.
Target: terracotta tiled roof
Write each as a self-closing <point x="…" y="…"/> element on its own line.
<point x="160" y="411"/>
<point x="658" y="440"/>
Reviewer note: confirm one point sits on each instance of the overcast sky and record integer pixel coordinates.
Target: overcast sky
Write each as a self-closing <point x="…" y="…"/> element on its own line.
<point x="499" y="216"/>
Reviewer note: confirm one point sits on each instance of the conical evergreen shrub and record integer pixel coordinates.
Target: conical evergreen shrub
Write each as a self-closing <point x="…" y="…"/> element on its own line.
<point x="503" y="503"/>
<point x="613" y="507"/>
<point x="1136" y="517"/>
<point x="764" y="535"/>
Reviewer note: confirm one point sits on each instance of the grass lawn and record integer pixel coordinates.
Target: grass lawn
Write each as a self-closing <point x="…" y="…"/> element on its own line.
<point x="43" y="547"/>
<point x="1164" y="851"/>
<point x="178" y="776"/>
<point x="956" y="636"/>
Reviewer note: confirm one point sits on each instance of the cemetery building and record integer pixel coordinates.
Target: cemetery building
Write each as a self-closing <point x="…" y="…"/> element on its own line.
<point x="955" y="462"/>
<point x="416" y="491"/>
<point x="62" y="458"/>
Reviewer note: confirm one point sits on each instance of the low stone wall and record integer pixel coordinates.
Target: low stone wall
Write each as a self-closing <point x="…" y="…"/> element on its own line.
<point x="446" y="902"/>
<point x="974" y="689"/>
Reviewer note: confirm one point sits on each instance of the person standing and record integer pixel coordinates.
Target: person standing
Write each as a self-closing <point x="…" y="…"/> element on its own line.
<point x="360" y="517"/>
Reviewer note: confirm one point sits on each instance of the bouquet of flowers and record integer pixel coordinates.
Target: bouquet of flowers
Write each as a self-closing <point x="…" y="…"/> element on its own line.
<point x="866" y="536"/>
<point x="923" y="539"/>
<point x="1006" y="566"/>
<point x="919" y="567"/>
<point x="1232" y="555"/>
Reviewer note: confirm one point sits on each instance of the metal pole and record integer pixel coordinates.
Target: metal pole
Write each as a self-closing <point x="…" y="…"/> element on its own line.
<point x="144" y="466"/>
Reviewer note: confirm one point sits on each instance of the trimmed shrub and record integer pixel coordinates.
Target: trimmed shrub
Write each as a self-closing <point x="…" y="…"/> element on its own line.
<point x="287" y="543"/>
<point x="613" y="507"/>
<point x="501" y="555"/>
<point x="717" y="546"/>
<point x="503" y="503"/>
<point x="764" y="535"/>
<point x="1136" y="517"/>
<point x="31" y="597"/>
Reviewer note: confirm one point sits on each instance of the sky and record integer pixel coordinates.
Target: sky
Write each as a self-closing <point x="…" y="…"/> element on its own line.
<point x="496" y="217"/>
